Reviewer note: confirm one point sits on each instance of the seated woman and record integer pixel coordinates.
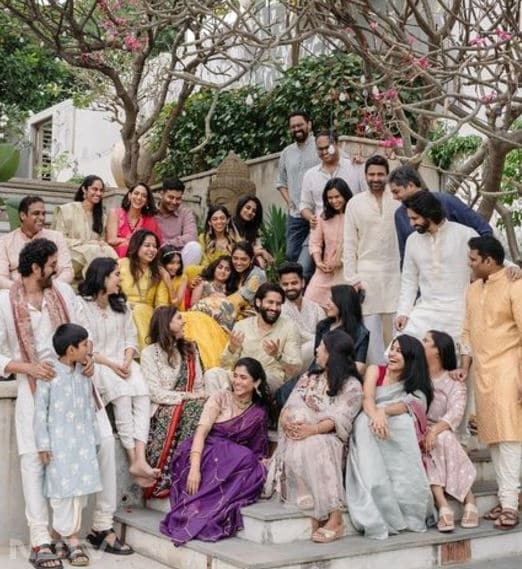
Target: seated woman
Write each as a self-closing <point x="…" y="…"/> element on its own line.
<point x="314" y="426"/>
<point x="387" y="489"/>
<point x="218" y="238"/>
<point x="141" y="280"/>
<point x="136" y="212"/>
<point x="118" y="377"/>
<point x="450" y="471"/>
<point x="247" y="223"/>
<point x="82" y="223"/>
<point x="220" y="469"/>
<point x="172" y="369"/>
<point x="326" y="242"/>
<point x="173" y="276"/>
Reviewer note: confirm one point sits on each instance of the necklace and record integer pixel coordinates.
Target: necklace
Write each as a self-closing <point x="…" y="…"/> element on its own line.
<point x="241" y="404"/>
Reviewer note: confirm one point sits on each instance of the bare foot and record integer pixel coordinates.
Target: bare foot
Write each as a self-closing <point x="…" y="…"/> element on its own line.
<point x="143" y="470"/>
<point x="143" y="482"/>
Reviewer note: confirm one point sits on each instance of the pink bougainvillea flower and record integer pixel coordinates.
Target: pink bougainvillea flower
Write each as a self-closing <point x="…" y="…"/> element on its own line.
<point x="489" y="98"/>
<point x="391" y="94"/>
<point x="503" y="35"/>
<point x="391" y="142"/>
<point x="479" y="41"/>
<point x="132" y="43"/>
<point x="423" y="62"/>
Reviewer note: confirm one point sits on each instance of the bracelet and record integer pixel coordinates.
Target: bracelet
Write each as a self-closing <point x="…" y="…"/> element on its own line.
<point x="195" y="452"/>
<point x="317" y="432"/>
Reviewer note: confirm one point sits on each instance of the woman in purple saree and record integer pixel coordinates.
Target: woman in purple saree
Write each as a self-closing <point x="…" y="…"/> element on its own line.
<point x="220" y="469"/>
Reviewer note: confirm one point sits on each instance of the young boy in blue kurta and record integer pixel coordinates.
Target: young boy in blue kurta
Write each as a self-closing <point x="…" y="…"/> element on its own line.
<point x="66" y="435"/>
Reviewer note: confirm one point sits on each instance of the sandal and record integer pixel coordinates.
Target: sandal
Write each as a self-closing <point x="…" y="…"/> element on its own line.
<point x="60" y="549"/>
<point x="98" y="539"/>
<point x="446" y="520"/>
<point x="324" y="535"/>
<point x="42" y="557"/>
<point x="508" y="519"/>
<point x="494" y="513"/>
<point x="78" y="556"/>
<point x="470" y="517"/>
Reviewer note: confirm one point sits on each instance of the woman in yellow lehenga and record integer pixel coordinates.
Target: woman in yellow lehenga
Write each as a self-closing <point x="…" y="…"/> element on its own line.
<point x="141" y="280"/>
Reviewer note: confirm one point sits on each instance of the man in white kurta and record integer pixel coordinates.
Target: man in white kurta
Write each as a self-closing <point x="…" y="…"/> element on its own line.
<point x="436" y="263"/>
<point x="11" y="361"/>
<point x="371" y="255"/>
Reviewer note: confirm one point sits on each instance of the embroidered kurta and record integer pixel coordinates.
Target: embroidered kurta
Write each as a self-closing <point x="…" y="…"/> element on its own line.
<point x="437" y="265"/>
<point x="493" y="333"/>
<point x="371" y="251"/>
<point x="447" y="464"/>
<point x="111" y="334"/>
<point x="65" y="424"/>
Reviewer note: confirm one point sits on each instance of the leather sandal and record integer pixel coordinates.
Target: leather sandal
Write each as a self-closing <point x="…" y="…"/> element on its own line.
<point x="42" y="556"/>
<point x="494" y="513"/>
<point x="98" y="539"/>
<point x="446" y="520"/>
<point x="324" y="535"/>
<point x="470" y="517"/>
<point x="78" y="556"/>
<point x="508" y="519"/>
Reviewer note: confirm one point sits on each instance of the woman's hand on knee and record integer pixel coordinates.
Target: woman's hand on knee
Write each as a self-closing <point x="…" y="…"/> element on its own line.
<point x="193" y="480"/>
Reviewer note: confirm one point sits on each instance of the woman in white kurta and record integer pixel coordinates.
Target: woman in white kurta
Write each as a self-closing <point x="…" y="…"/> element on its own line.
<point x="118" y="377"/>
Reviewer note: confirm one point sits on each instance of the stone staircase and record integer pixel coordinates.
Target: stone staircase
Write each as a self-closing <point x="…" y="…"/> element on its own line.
<point x="278" y="536"/>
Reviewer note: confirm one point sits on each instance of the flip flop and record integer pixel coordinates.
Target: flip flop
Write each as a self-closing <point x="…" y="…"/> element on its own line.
<point x="470" y="517"/>
<point x="446" y="521"/>
<point x="324" y="535"/>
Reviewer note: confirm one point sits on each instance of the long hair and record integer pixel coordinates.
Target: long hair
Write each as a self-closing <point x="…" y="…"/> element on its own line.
<point x="94" y="283"/>
<point x="97" y="210"/>
<point x="415" y="373"/>
<point x="149" y="208"/>
<point x="343" y="188"/>
<point x="248" y="230"/>
<point x="261" y="395"/>
<point x="210" y="236"/>
<point x="136" y="241"/>
<point x="347" y="300"/>
<point x="248" y="249"/>
<point x="341" y="360"/>
<point x="159" y="333"/>
<point x="208" y="273"/>
<point x="446" y="348"/>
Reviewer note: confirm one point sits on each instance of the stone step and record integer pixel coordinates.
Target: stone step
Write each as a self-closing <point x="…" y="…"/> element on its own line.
<point x="270" y="521"/>
<point x="407" y="550"/>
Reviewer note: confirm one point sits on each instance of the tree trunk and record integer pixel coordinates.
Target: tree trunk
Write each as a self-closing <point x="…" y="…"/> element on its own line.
<point x="492" y="176"/>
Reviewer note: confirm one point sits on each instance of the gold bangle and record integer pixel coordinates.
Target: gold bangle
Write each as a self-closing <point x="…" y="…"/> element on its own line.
<point x="195" y="452"/>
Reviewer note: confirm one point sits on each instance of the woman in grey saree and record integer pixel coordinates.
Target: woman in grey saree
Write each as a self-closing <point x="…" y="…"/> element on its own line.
<point x="386" y="484"/>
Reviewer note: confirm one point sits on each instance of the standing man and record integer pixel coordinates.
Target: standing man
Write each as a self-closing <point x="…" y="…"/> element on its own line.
<point x="435" y="261"/>
<point x="177" y="222"/>
<point x="405" y="182"/>
<point x="492" y="334"/>
<point x="30" y="312"/>
<point x="371" y="255"/>
<point x="31" y="212"/>
<point x="303" y="312"/>
<point x="294" y="161"/>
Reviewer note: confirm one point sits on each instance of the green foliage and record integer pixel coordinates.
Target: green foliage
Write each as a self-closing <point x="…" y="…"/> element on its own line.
<point x="9" y="160"/>
<point x="444" y="154"/>
<point x="273" y="238"/>
<point x="511" y="175"/>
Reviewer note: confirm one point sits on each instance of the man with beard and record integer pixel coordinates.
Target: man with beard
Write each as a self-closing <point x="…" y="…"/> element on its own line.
<point x="405" y="182"/>
<point x="303" y="312"/>
<point x="371" y="255"/>
<point x="177" y="223"/>
<point x="30" y="312"/>
<point x="294" y="161"/>
<point x="268" y="337"/>
<point x="31" y="212"/>
<point x="436" y="264"/>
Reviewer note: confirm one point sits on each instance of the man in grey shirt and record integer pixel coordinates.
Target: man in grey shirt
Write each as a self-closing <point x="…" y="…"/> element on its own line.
<point x="295" y="160"/>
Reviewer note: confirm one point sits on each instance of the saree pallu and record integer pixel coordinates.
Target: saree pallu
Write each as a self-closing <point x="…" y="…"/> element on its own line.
<point x="232" y="476"/>
<point x="386" y="484"/>
<point x="169" y="426"/>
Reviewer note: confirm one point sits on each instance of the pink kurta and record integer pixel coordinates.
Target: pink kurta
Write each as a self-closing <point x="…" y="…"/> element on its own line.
<point x="126" y="231"/>
<point x="448" y="465"/>
<point x="327" y="240"/>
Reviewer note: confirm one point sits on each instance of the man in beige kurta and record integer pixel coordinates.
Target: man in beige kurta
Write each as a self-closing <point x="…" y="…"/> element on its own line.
<point x="492" y="335"/>
<point x="371" y="255"/>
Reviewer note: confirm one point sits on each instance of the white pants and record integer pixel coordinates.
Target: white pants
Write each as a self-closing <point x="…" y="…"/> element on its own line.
<point x="506" y="459"/>
<point x="307" y="354"/>
<point x="67" y="514"/>
<point x="381" y="334"/>
<point x="191" y="253"/>
<point x="132" y="418"/>
<point x="36" y="510"/>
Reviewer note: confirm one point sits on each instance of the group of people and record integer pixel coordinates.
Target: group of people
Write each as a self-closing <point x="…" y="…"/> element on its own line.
<point x="198" y="354"/>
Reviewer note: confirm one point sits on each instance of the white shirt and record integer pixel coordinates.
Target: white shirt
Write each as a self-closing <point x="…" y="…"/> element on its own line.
<point x="306" y="319"/>
<point x="371" y="251"/>
<point x="315" y="180"/>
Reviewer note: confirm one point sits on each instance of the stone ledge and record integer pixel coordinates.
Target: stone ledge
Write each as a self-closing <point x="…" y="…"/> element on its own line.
<point x="8" y="388"/>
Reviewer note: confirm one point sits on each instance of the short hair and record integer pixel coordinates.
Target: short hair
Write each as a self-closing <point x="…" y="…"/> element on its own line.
<point x="289" y="267"/>
<point x="330" y="133"/>
<point x="426" y="204"/>
<point x="27" y="202"/>
<point x="377" y="160"/>
<point x="36" y="252"/>
<point x="488" y="246"/>
<point x="299" y="113"/>
<point x="173" y="184"/>
<point x="67" y="335"/>
<point x="446" y="348"/>
<point x="266" y="288"/>
<point x="404" y="175"/>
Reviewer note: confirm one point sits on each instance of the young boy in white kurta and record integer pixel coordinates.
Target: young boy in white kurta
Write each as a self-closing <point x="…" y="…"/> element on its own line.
<point x="66" y="436"/>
